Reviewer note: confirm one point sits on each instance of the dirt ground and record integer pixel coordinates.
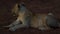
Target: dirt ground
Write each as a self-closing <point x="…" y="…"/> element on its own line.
<point x="29" y="31"/>
<point x="6" y="17"/>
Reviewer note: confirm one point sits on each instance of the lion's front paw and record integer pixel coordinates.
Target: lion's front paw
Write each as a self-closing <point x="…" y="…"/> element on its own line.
<point x="12" y="29"/>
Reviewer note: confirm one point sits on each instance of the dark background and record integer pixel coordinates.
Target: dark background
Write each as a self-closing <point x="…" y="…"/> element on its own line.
<point x="36" y="6"/>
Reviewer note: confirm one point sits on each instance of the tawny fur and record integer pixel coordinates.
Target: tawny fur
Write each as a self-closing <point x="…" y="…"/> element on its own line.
<point x="37" y="20"/>
<point x="15" y="9"/>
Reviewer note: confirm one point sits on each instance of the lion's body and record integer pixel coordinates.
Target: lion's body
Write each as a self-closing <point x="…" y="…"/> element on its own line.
<point x="26" y="18"/>
<point x="39" y="21"/>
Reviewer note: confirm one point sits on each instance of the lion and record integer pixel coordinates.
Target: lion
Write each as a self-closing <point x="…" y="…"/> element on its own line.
<point x="28" y="19"/>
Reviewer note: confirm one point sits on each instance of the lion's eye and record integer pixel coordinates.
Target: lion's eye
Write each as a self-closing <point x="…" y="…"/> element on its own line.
<point x="18" y="6"/>
<point x="23" y="5"/>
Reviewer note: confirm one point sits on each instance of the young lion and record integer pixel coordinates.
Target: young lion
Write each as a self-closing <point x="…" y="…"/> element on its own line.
<point x="26" y="19"/>
<point x="23" y="19"/>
